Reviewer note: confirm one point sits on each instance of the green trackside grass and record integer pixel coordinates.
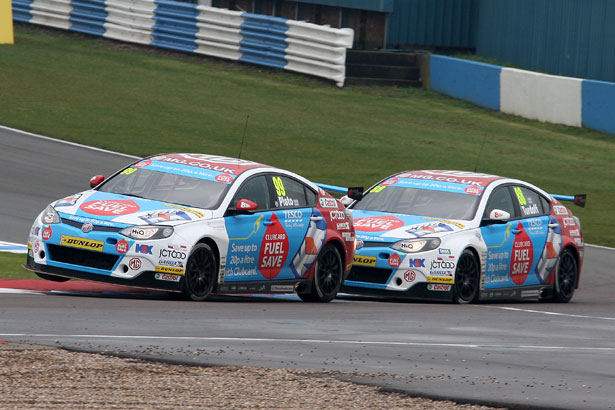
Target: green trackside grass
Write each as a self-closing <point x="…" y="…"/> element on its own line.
<point x="138" y="101"/>
<point x="10" y="266"/>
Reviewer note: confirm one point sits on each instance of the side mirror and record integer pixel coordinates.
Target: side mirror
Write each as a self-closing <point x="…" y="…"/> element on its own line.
<point x="499" y="215"/>
<point x="243" y="206"/>
<point x="96" y="180"/>
<point x="346" y="200"/>
<point x="355" y="193"/>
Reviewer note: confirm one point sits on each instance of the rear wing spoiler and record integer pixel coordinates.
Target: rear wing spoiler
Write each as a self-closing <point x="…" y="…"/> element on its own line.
<point x="355" y="193"/>
<point x="578" y="200"/>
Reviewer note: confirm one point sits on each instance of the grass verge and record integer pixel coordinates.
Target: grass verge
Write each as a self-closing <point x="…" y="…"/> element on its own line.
<point x="142" y="101"/>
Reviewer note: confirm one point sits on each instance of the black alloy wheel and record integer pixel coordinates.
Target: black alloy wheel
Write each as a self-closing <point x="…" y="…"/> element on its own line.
<point x="328" y="276"/>
<point x="466" y="278"/>
<point x="201" y="273"/>
<point x="566" y="278"/>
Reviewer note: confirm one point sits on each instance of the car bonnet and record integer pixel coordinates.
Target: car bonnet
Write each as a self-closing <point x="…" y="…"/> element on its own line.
<point x="105" y="208"/>
<point x="390" y="227"/>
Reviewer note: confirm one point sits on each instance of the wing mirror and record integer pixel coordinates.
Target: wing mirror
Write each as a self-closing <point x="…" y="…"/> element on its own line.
<point x="499" y="215"/>
<point x="355" y="193"/>
<point x="96" y="180"/>
<point x="244" y="206"/>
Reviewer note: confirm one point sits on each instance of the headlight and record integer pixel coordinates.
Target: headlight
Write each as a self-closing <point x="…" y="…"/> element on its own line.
<point x="50" y="216"/>
<point x="147" y="232"/>
<point x="417" y="245"/>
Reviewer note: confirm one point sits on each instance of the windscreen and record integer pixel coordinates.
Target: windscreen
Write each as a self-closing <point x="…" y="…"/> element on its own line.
<point x="167" y="187"/>
<point x="421" y="202"/>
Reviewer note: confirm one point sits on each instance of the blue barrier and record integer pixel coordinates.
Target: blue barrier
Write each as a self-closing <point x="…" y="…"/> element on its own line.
<point x="264" y="40"/>
<point x="598" y="105"/>
<point x="467" y="80"/>
<point x="175" y="26"/>
<point x="21" y="10"/>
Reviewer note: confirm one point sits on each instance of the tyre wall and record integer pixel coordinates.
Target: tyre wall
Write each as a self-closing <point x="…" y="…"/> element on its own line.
<point x="256" y="39"/>
<point x="548" y="98"/>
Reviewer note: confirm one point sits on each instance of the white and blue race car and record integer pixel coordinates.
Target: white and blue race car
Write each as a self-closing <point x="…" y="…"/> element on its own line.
<point x="197" y="224"/>
<point x="464" y="236"/>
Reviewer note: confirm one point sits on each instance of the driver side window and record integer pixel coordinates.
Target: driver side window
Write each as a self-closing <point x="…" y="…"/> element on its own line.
<point x="501" y="199"/>
<point x="256" y="190"/>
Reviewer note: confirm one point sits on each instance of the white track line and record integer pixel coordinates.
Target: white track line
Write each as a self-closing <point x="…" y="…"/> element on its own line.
<point x="546" y="313"/>
<point x="65" y="142"/>
<point x="305" y="341"/>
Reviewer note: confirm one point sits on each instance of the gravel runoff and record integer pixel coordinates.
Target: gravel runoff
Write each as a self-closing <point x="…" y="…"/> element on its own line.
<point x="41" y="377"/>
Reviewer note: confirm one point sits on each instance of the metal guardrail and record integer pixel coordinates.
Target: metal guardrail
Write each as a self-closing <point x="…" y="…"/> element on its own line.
<point x="256" y="39"/>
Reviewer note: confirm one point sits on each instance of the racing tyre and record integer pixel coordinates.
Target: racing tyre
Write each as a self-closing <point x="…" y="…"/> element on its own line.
<point x="328" y="276"/>
<point x="201" y="272"/>
<point x="566" y="278"/>
<point x="465" y="288"/>
<point x="52" y="277"/>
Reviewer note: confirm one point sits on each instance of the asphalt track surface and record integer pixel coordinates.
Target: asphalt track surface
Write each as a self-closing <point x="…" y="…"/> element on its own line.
<point x="518" y="355"/>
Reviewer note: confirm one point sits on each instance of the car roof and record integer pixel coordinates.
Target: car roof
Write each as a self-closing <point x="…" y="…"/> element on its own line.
<point x="458" y="177"/>
<point x="219" y="163"/>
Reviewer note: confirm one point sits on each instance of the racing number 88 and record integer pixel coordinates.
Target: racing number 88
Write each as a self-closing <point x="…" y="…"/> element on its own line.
<point x="279" y="186"/>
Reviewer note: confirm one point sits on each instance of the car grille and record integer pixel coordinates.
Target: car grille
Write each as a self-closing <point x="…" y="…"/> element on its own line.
<point x="369" y="275"/>
<point x="81" y="257"/>
<point x="94" y="228"/>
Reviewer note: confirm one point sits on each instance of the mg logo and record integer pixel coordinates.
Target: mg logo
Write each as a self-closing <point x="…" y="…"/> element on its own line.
<point x="87" y="227"/>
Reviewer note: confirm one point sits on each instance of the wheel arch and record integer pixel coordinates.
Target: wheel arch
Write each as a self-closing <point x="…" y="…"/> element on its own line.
<point x="340" y="248"/>
<point x="575" y="253"/>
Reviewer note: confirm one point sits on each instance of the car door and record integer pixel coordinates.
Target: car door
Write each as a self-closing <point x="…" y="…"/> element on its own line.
<point x="263" y="244"/>
<point x="514" y="247"/>
<point x="296" y="234"/>
<point x="246" y="231"/>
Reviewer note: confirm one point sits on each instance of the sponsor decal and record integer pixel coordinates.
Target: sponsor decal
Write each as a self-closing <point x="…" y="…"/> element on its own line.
<point x="438" y="287"/>
<point x="343" y="226"/>
<point x="110" y="207"/>
<point x="144" y="163"/>
<point x="348" y="237"/>
<point x="439" y="279"/>
<point x="337" y="216"/>
<point x="170" y="269"/>
<point x="328" y="202"/>
<point x="440" y="264"/>
<point x="282" y="288"/>
<point x="444" y="251"/>
<point x="293" y="214"/>
<point x="134" y="263"/>
<point x="169" y="262"/>
<point x="122" y="246"/>
<point x="37" y="246"/>
<point x="522" y="255"/>
<point x="225" y="178"/>
<point x="144" y="249"/>
<point x="165" y="216"/>
<point x="409" y="276"/>
<point x="87" y="227"/>
<point x="274" y="249"/>
<point x="394" y="260"/>
<point x="166" y="276"/>
<point x="185" y="209"/>
<point x="428" y="228"/>
<point x="47" y="232"/>
<point x="530" y="293"/>
<point x="578" y="241"/>
<point x="568" y="222"/>
<point x="172" y="253"/>
<point x="416" y="263"/>
<point x="377" y="223"/>
<point x="390" y="181"/>
<point x="81" y="243"/>
<point x="364" y="260"/>
<point x="574" y="232"/>
<point x="68" y="201"/>
<point x="560" y="210"/>
<point x="473" y="190"/>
